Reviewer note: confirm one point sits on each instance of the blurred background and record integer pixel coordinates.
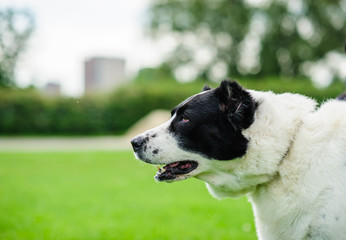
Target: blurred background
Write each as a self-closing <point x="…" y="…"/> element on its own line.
<point x="78" y="79"/>
<point x="97" y="67"/>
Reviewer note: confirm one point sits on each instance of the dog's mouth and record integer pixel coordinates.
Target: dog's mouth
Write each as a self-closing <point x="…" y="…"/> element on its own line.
<point x="174" y="170"/>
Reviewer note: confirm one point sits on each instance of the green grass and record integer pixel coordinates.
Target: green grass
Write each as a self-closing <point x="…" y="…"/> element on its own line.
<point x="109" y="195"/>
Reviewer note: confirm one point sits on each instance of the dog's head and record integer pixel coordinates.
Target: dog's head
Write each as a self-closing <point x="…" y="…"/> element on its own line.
<point x="205" y="128"/>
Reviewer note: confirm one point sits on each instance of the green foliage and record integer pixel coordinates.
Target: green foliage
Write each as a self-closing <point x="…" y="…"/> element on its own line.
<point x="109" y="195"/>
<point x="248" y="37"/>
<point x="5" y="81"/>
<point x="28" y="112"/>
<point x="16" y="28"/>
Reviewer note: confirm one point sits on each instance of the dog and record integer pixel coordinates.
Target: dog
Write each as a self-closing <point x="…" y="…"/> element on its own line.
<point x="281" y="150"/>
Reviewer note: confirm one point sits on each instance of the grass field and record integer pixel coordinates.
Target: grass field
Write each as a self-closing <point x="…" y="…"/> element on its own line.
<point x="109" y="195"/>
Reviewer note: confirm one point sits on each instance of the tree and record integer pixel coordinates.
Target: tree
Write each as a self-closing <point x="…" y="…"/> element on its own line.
<point x="16" y="27"/>
<point x="218" y="38"/>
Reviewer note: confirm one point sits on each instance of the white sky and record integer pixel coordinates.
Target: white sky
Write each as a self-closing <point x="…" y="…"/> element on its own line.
<point x="70" y="31"/>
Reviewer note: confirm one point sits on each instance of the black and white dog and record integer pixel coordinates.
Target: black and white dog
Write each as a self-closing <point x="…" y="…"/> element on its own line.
<point x="286" y="155"/>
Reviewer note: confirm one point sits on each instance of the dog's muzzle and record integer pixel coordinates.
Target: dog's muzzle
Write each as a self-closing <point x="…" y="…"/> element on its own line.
<point x="173" y="170"/>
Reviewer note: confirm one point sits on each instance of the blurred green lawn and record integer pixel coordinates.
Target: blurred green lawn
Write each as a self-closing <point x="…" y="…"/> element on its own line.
<point x="109" y="195"/>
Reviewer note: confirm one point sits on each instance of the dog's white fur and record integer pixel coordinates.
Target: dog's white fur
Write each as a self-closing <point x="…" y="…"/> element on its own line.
<point x="294" y="170"/>
<point x="306" y="152"/>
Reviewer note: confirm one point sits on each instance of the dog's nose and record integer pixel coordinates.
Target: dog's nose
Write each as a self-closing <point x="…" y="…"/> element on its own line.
<point x="137" y="143"/>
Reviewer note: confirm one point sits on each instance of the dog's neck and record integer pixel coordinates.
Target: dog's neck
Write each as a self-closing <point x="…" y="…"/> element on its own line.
<point x="270" y="139"/>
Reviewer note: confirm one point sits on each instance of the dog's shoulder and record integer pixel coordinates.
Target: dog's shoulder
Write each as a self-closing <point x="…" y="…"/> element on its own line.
<point x="328" y="120"/>
<point x="336" y="106"/>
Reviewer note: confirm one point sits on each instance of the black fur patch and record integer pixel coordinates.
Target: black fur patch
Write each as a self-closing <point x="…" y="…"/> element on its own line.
<point x="210" y="123"/>
<point x="206" y="88"/>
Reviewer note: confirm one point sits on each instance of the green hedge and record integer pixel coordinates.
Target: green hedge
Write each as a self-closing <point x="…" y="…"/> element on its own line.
<point x="28" y="112"/>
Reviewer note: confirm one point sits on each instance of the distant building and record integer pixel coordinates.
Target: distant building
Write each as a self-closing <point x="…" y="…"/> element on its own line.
<point x="103" y="74"/>
<point x="52" y="89"/>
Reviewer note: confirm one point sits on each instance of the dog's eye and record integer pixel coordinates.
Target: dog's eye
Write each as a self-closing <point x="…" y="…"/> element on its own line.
<point x="184" y="119"/>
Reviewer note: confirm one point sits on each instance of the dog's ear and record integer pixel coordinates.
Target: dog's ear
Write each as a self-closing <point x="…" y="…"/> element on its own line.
<point x="237" y="104"/>
<point x="206" y="88"/>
